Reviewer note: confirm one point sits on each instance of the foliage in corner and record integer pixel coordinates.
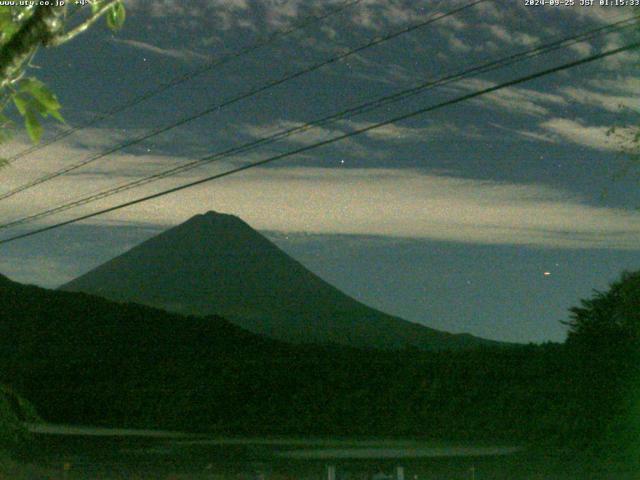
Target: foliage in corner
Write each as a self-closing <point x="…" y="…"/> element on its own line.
<point x="33" y="100"/>
<point x="23" y="30"/>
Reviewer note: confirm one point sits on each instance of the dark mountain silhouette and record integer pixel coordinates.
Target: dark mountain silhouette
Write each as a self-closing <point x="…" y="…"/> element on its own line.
<point x="82" y="358"/>
<point x="217" y="264"/>
<point x="86" y="360"/>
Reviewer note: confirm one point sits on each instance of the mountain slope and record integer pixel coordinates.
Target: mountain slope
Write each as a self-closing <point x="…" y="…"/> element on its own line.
<point x="217" y="264"/>
<point x="81" y="358"/>
<point x="86" y="360"/>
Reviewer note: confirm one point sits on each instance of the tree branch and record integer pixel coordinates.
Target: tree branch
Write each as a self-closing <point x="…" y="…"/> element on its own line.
<point x="71" y="34"/>
<point x="23" y="13"/>
<point x="36" y="30"/>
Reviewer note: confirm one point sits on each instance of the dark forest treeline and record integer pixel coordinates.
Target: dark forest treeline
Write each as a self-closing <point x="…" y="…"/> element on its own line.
<point x="81" y="359"/>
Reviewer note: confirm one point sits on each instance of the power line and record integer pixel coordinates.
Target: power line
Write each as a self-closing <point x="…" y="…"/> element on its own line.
<point x="330" y="141"/>
<point x="354" y="111"/>
<point x="243" y="96"/>
<point x="161" y="88"/>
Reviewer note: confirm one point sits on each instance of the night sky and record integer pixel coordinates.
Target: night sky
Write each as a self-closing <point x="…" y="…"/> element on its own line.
<point x="492" y="217"/>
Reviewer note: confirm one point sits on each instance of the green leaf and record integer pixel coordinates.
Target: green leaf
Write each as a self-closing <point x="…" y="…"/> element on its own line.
<point x="34" y="100"/>
<point x="32" y="124"/>
<point x="21" y="104"/>
<point x="116" y="16"/>
<point x="6" y="17"/>
<point x="8" y="25"/>
<point x="40" y="92"/>
<point x="56" y="114"/>
<point x="45" y="102"/>
<point x="29" y="109"/>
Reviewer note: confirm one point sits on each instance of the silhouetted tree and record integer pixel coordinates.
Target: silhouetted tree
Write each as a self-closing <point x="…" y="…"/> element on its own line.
<point x="604" y="344"/>
<point x="611" y="319"/>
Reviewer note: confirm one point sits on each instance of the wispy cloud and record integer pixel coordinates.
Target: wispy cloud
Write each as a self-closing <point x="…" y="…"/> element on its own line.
<point x="595" y="13"/>
<point x="512" y="37"/>
<point x="514" y="100"/>
<point x="529" y="135"/>
<point x="578" y="133"/>
<point x="399" y="133"/>
<point x="620" y="84"/>
<point x="490" y="11"/>
<point x="453" y="23"/>
<point x="404" y="203"/>
<point x="606" y="101"/>
<point x="180" y="54"/>
<point x="582" y="48"/>
<point x="620" y="61"/>
<point x="388" y="202"/>
<point x="368" y="14"/>
<point x="305" y="137"/>
<point x="457" y="44"/>
<point x="388" y="133"/>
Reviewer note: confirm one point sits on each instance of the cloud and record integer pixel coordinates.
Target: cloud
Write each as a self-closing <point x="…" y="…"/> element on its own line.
<point x="228" y="15"/>
<point x="490" y="11"/>
<point x="529" y="135"/>
<point x="306" y="137"/>
<point x="403" y="203"/>
<point x="620" y="84"/>
<point x="310" y="136"/>
<point x="514" y="100"/>
<point x="594" y="13"/>
<point x="178" y="8"/>
<point x="386" y="202"/>
<point x="373" y="71"/>
<point x="38" y="269"/>
<point x="379" y="14"/>
<point x="595" y="137"/>
<point x="453" y="23"/>
<point x="605" y="101"/>
<point x="511" y="37"/>
<point x="457" y="44"/>
<point x="388" y="133"/>
<point x="398" y="133"/>
<point x="582" y="48"/>
<point x="620" y="61"/>
<point x="180" y="54"/>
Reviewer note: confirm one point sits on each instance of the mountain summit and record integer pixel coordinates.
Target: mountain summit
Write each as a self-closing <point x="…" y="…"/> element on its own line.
<point x="217" y="264"/>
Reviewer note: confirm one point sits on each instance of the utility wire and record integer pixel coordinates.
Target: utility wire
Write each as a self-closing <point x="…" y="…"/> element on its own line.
<point x="354" y="111"/>
<point x="330" y="141"/>
<point x="242" y="96"/>
<point x="163" y="87"/>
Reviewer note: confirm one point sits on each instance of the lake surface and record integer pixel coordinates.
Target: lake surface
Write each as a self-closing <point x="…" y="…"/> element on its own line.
<point x="77" y="452"/>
